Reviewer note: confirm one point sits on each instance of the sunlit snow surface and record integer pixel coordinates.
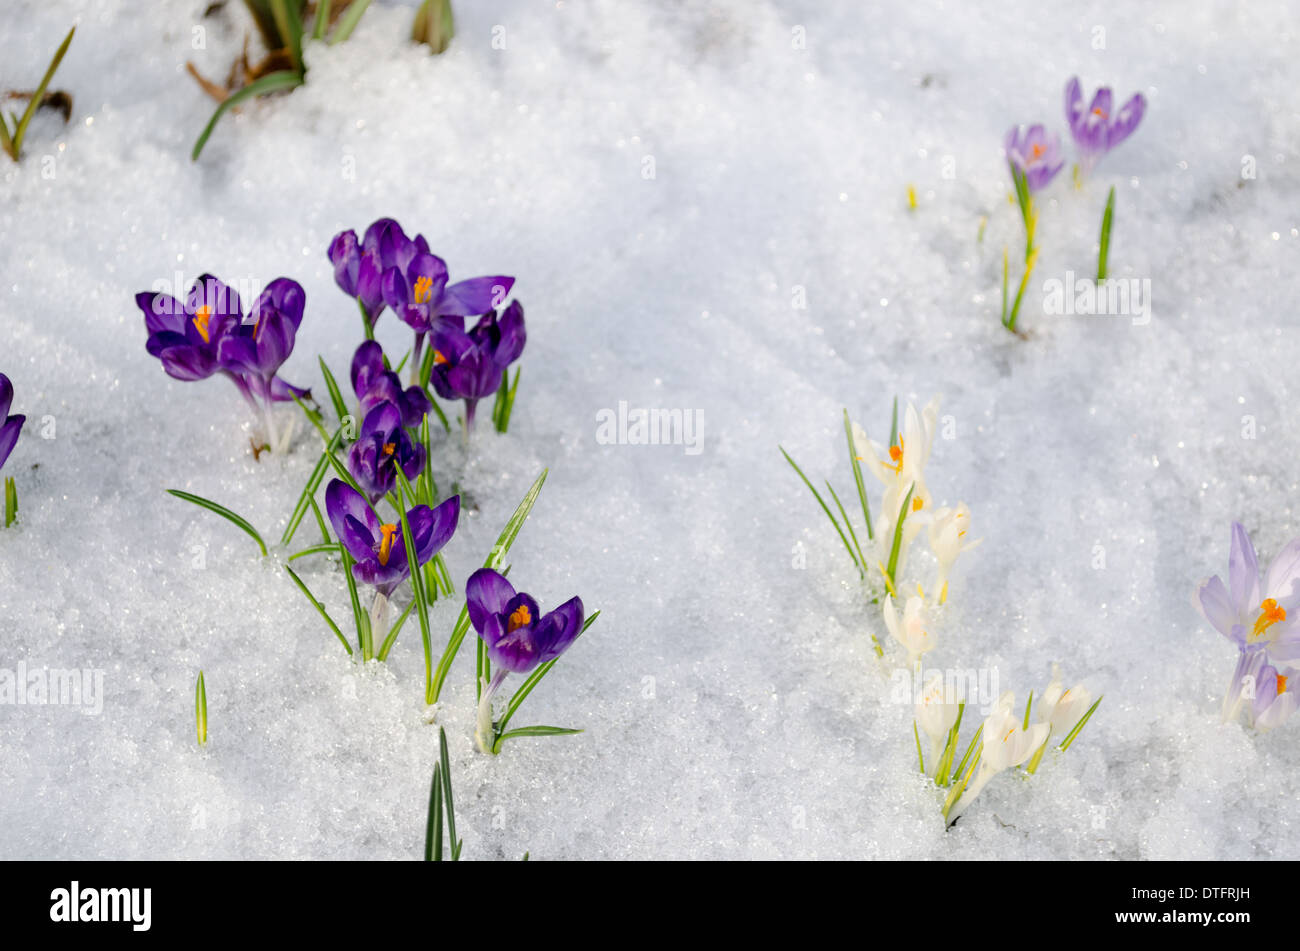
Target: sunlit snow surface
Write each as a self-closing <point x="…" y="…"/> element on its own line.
<point x="732" y="704"/>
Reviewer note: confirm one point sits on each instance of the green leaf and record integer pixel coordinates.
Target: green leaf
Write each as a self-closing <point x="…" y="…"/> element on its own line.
<point x="11" y="502"/>
<point x="348" y="23"/>
<point x="825" y="508"/>
<point x="1103" y="256"/>
<point x="309" y="491"/>
<point x="6" y="139"/>
<point x="433" y="826"/>
<point x="223" y="512"/>
<point x="893" y="426"/>
<point x="417" y="586"/>
<point x="1028" y="703"/>
<point x="494" y="560"/>
<point x="328" y="547"/>
<point x="322" y="20"/>
<point x="896" y="548"/>
<point x="320" y="520"/>
<point x="271" y="82"/>
<point x="289" y="24"/>
<point x="857" y="476"/>
<point x="445" y="763"/>
<point x="1069" y="737"/>
<point x="533" y="731"/>
<point x="20" y="129"/>
<point x="862" y="559"/>
<point x="434" y="25"/>
<point x="320" y="608"/>
<point x="360" y="617"/>
<point x="201" y="710"/>
<point x="336" y="397"/>
<point x="920" y="759"/>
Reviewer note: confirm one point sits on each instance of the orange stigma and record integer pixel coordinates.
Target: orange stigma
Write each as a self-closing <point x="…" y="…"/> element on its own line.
<point x="439" y="358"/>
<point x="1270" y="612"/>
<point x="896" y="454"/>
<point x="202" y="317"/>
<point x="521" y="617"/>
<point x="386" y="543"/>
<point x="1281" y="684"/>
<point x="917" y="504"/>
<point x="423" y="289"/>
<point x="1037" y="151"/>
<point x="390" y="448"/>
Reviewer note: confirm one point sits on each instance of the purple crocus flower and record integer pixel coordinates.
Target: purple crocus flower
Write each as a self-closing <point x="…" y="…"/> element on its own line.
<point x="207" y="335"/>
<point x="10" y="426"/>
<point x="1266" y="693"/>
<point x="185" y="337"/>
<point x="359" y="266"/>
<point x="378" y="547"/>
<point x="419" y="294"/>
<point x="1256" y="612"/>
<point x="518" y="637"/>
<point x="382" y="447"/>
<point x="1097" y="128"/>
<point x="1034" y="153"/>
<point x="468" y="366"/>
<point x="374" y="383"/>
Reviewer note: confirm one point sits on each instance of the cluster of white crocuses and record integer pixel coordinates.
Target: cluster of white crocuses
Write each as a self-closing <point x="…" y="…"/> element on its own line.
<point x="1007" y="739"/>
<point x="907" y="508"/>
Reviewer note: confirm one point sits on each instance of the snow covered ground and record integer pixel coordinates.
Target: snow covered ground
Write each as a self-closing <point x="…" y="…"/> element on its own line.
<point x="665" y="180"/>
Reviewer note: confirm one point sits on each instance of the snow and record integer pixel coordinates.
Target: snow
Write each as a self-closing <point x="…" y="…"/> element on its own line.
<point x="733" y="706"/>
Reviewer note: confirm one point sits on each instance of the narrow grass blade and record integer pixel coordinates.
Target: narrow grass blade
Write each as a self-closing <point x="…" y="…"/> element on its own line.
<point x="417" y="586"/>
<point x="825" y="508"/>
<point x="857" y="476"/>
<point x="920" y="759"/>
<point x="360" y="617"/>
<point x="6" y="139"/>
<point x="223" y="512"/>
<point x="394" y="631"/>
<point x="320" y="608"/>
<point x="445" y="764"/>
<point x="328" y="548"/>
<point x="1103" y="256"/>
<point x="289" y="24"/>
<point x="862" y="559"/>
<point x="336" y="397"/>
<point x="1006" y="274"/>
<point x="201" y="710"/>
<point x="1028" y="703"/>
<point x="949" y="749"/>
<point x="969" y="749"/>
<point x="896" y="548"/>
<point x="320" y="521"/>
<point x="433" y="826"/>
<point x="11" y="502"/>
<point x="1069" y="737"/>
<point x="1014" y="317"/>
<point x="494" y="561"/>
<point x="309" y="491"/>
<point x="322" y="20"/>
<point x="20" y="129"/>
<point x="893" y="425"/>
<point x="533" y="731"/>
<point x="271" y="82"/>
<point x="348" y="23"/>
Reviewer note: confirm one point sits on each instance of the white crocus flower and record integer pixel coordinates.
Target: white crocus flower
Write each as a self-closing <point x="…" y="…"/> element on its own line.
<point x="936" y="711"/>
<point x="1005" y="743"/>
<point x="949" y="530"/>
<point x="917" y="518"/>
<point x="904" y="464"/>
<point x="910" y="630"/>
<point x="1062" y="708"/>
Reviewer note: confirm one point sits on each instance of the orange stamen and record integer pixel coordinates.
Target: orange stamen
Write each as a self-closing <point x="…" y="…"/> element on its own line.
<point x="439" y="358"/>
<point x="423" y="289"/>
<point x="521" y="617"/>
<point x="390" y="448"/>
<point x="1270" y="613"/>
<point x="1281" y="684"/>
<point x="386" y="543"/>
<point x="202" y="317"/>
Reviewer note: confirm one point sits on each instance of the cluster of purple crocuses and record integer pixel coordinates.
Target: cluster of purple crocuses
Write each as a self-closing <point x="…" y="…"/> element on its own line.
<point x="386" y="269"/>
<point x="1258" y="613"/>
<point x="10" y="427"/>
<point x="209" y="334"/>
<point x="1096" y="128"/>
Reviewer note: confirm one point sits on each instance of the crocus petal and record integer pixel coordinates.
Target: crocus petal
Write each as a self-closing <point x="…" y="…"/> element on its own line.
<point x="1215" y="605"/>
<point x="283" y="392"/>
<point x="341" y="502"/>
<point x="487" y="593"/>
<point x="513" y="335"/>
<point x="356" y="538"/>
<point x="475" y="296"/>
<point x="284" y="296"/>
<point x="9" y="431"/>
<point x="442" y="521"/>
<point x="6" y="396"/>
<point x="1284" y="571"/>
<point x="214" y="294"/>
<point x="367" y="366"/>
<point x="558" y="629"/>
<point x="187" y="363"/>
<point x="1243" y="572"/>
<point x="162" y="312"/>
<point x="1126" y="120"/>
<point x="346" y="258"/>
<point x="1073" y="101"/>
